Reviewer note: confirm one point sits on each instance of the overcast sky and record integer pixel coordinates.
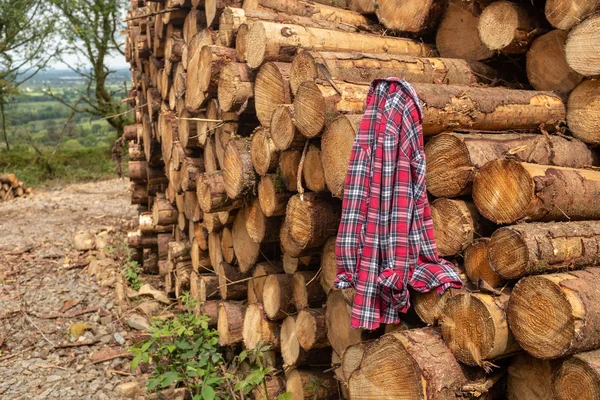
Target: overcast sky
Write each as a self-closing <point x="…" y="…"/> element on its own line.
<point x="116" y="61"/>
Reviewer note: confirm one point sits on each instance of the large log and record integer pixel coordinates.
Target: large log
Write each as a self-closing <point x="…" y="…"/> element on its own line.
<point x="413" y="16"/>
<point x="258" y="329"/>
<point x="527" y="249"/>
<point x="268" y="41"/>
<point x="456" y="224"/>
<point x="477" y="265"/>
<point x="291" y="351"/>
<point x="579" y="377"/>
<point x="212" y="61"/>
<point x="453" y="159"/>
<point x="536" y="192"/>
<point x="445" y="107"/>
<point x="163" y="213"/>
<point x="364" y="68"/>
<point x="278" y="296"/>
<point x="312" y="218"/>
<point x="565" y="14"/>
<point x="230" y="322"/>
<point x="582" y="50"/>
<point x="417" y="365"/>
<point x="283" y="131"/>
<point x="271" y="88"/>
<point x="547" y="67"/>
<point x="239" y="176"/>
<point x="583" y="116"/>
<point x="556" y="315"/>
<point x="457" y="35"/>
<point x="508" y="27"/>
<point x="337" y="318"/>
<point x="272" y="196"/>
<point x="530" y="378"/>
<point x="236" y="87"/>
<point x="474" y="327"/>
<point x="336" y="147"/>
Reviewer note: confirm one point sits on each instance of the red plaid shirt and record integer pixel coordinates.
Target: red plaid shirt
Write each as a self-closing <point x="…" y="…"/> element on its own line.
<point x="385" y="241"/>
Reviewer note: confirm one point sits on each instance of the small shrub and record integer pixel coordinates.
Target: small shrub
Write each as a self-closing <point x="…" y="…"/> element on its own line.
<point x="131" y="271"/>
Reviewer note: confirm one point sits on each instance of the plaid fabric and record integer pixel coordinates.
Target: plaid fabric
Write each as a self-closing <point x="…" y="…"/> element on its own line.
<point x="385" y="241"/>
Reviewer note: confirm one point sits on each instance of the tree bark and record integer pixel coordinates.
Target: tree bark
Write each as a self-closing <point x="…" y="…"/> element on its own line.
<point x="258" y="329"/>
<point x="138" y="171"/>
<point x="556" y="315"/>
<point x="456" y="223"/>
<point x="311" y="219"/>
<point x="579" y="377"/>
<point x="527" y="249"/>
<point x="230" y="322"/>
<point x="453" y="159"/>
<point x="536" y="192"/>
<point x="445" y="107"/>
<point x="311" y="383"/>
<point x="417" y="364"/>
<point x="457" y="35"/>
<point x="212" y="195"/>
<point x="211" y="310"/>
<point x="582" y="115"/>
<point x="581" y="50"/>
<point x="278" y="296"/>
<point x="280" y="42"/>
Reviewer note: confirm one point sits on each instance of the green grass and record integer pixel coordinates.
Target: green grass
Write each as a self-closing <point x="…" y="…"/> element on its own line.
<point x="66" y="166"/>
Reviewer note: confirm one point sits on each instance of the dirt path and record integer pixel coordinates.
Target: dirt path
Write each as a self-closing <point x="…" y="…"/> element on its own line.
<point x="41" y="275"/>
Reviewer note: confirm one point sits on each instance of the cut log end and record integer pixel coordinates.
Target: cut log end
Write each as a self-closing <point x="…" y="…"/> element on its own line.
<point x="503" y="26"/>
<point x="508" y="178"/>
<point x="541" y="317"/>
<point x="271" y="89"/>
<point x="304" y="69"/>
<point x="582" y="115"/>
<point x="283" y="130"/>
<point x="309" y="110"/>
<point x="455" y="223"/>
<point x="477" y="265"/>
<point x="582" y="47"/>
<point x="579" y="377"/>
<point x="336" y="147"/>
<point x="448" y="166"/>
<point x="264" y="155"/>
<point x="508" y="254"/>
<point x="256" y="45"/>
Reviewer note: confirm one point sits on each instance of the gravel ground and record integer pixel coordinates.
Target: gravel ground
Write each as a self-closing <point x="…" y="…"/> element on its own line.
<point x="46" y="288"/>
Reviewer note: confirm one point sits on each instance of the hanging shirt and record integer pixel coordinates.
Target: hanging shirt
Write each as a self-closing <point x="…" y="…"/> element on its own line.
<point x="385" y="241"/>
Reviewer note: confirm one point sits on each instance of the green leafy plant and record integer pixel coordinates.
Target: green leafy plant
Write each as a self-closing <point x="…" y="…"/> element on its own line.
<point x="131" y="271"/>
<point x="185" y="352"/>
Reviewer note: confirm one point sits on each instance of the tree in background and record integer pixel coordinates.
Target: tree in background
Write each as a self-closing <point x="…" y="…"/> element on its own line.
<point x="90" y="31"/>
<point x="27" y="44"/>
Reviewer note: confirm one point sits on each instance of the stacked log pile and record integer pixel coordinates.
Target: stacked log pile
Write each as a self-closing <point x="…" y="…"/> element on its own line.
<point x="11" y="187"/>
<point x="246" y="112"/>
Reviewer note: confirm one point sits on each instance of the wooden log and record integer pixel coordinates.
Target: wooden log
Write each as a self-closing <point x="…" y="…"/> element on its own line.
<point x="413" y="16"/>
<point x="312" y="219"/>
<point x="241" y="42"/>
<point x="474" y="328"/>
<point x="191" y="207"/>
<point x="211" y="164"/>
<point x="260" y="228"/>
<point x="309" y="262"/>
<point x="556" y="315"/>
<point x="265" y="156"/>
<point x="293" y="354"/>
<point x="236" y="86"/>
<point x="306" y="290"/>
<point x="130" y="132"/>
<point x="163" y="213"/>
<point x="212" y="60"/>
<point x="278" y="296"/>
<point x="280" y="42"/>
<point x="212" y="196"/>
<point x="227" y="246"/>
<point x="214" y="249"/>
<point x="283" y="131"/>
<point x="312" y="171"/>
<point x="417" y="363"/>
<point x="336" y="147"/>
<point x="311" y="384"/>
<point x="231" y="322"/>
<point x="454" y="159"/>
<point x="581" y="50"/>
<point x="274" y="386"/>
<point x="547" y="67"/>
<point x="565" y="14"/>
<point x="328" y="265"/>
<point x="139" y="193"/>
<point x="239" y="177"/>
<point x="312" y="10"/>
<point x="138" y="171"/>
<point x="351" y="359"/>
<point x="182" y="277"/>
<point x="214" y="8"/>
<point x="536" y="192"/>
<point x="247" y="251"/>
<point x="136" y="152"/>
<point x="311" y="329"/>
<point x="289" y="162"/>
<point x="271" y="89"/>
<point x="444" y="107"/>
<point x="188" y="129"/>
<point x="579" y="377"/>
<point x="582" y="115"/>
<point x="259" y="276"/>
<point x="136" y="240"/>
<point x="194" y="95"/>
<point x="531" y="378"/>
<point x="190" y="171"/>
<point x="362" y="6"/>
<point x="258" y="329"/>
<point x="200" y="258"/>
<point x="232" y="282"/>
<point x="195" y="22"/>
<point x="272" y="196"/>
<point x="337" y="318"/>
<point x="250" y="292"/>
<point x="364" y="68"/>
<point x="456" y="223"/>
<point x="477" y="265"/>
<point x="457" y="35"/>
<point x="526" y="249"/>
<point x="211" y="310"/>
<point x="508" y="27"/>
